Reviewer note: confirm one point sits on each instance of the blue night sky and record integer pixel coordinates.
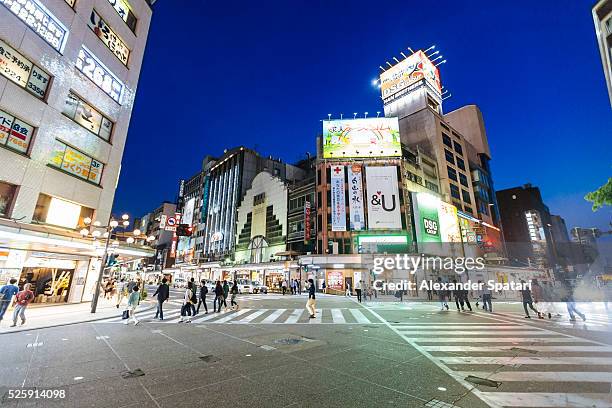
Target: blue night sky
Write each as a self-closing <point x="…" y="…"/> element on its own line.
<point x="263" y="74"/>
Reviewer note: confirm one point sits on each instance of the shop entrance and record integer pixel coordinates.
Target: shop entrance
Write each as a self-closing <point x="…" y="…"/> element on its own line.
<point x="50" y="285"/>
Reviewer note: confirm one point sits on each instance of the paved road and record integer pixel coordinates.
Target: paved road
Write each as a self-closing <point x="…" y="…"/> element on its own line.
<point x="269" y="354"/>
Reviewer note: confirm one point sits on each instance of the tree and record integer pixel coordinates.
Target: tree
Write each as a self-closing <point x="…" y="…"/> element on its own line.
<point x="602" y="196"/>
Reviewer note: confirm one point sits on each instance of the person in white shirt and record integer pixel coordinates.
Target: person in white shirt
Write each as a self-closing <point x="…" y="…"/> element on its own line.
<point x="186" y="308"/>
<point x="121" y="291"/>
<point x="358" y="287"/>
<point x="348" y="289"/>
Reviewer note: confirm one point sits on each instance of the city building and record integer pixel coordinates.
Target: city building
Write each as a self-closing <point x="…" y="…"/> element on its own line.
<point x="527" y="223"/>
<point x="67" y="85"/>
<point x="154" y="224"/>
<point x="302" y="212"/>
<point x="602" y="17"/>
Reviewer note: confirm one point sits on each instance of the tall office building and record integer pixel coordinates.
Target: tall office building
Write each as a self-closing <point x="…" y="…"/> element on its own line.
<point x="68" y="78"/>
<point x="602" y="17"/>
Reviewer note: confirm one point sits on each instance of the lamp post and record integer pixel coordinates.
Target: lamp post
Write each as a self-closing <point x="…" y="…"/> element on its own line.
<point x="112" y="224"/>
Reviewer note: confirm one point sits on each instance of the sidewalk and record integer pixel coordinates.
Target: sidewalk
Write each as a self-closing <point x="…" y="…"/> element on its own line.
<point x="40" y="317"/>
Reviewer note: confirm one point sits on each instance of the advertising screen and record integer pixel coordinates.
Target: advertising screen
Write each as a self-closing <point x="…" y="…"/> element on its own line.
<point x="427" y="223"/>
<point x="407" y="72"/>
<point x="97" y="72"/>
<point x="383" y="198"/>
<point x="372" y="137"/>
<point x="449" y="223"/>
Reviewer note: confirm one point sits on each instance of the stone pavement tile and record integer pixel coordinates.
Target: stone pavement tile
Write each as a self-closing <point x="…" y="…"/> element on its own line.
<point x="65" y="374"/>
<point x="355" y="363"/>
<point x="256" y="360"/>
<point x="300" y="379"/>
<point x="108" y="393"/>
<point x="12" y="375"/>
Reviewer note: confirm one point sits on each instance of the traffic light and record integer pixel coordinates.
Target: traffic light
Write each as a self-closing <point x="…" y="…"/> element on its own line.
<point x="184" y="230"/>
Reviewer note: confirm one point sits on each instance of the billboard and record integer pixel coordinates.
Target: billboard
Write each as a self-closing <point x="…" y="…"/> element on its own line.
<point x="426" y="221"/>
<point x="372" y="137"/>
<point x="338" y="206"/>
<point x="449" y="223"/>
<point x="355" y="187"/>
<point x="407" y="72"/>
<point x="188" y="211"/>
<point x="383" y="198"/>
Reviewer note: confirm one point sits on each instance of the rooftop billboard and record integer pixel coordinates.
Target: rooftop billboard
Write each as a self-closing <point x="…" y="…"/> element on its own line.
<point x="407" y="72"/>
<point x="371" y="137"/>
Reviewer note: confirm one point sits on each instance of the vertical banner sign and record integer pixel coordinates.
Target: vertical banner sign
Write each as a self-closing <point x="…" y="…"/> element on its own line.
<point x="306" y="222"/>
<point x="383" y="198"/>
<point x="205" y="192"/>
<point x="177" y="217"/>
<point x="355" y="186"/>
<point x="338" y="204"/>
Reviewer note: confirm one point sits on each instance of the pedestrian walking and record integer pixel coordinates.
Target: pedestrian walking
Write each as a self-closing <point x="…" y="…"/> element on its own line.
<point x="226" y="289"/>
<point x="528" y="301"/>
<point x="121" y="291"/>
<point x="194" y="296"/>
<point x="429" y="294"/>
<point x="323" y="286"/>
<point x="284" y="286"/>
<point x="358" y="287"/>
<point x="234" y="293"/>
<point x="539" y="298"/>
<point x="218" y="297"/>
<point x="202" y="301"/>
<point x="487" y="296"/>
<point x="6" y="296"/>
<point x="187" y="303"/>
<point x="310" y="304"/>
<point x="163" y="293"/>
<point x="299" y="286"/>
<point x="442" y="297"/>
<point x="348" y="290"/>
<point x="570" y="302"/>
<point x="21" y="302"/>
<point x="108" y="288"/>
<point x="133" y="302"/>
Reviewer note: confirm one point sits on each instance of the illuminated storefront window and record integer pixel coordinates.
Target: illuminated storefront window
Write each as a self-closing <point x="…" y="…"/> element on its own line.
<point x="18" y="69"/>
<point x="7" y="194"/>
<point x="38" y="18"/>
<point x="122" y="7"/>
<point x="75" y="162"/>
<point x="108" y="37"/>
<point x="97" y="72"/>
<point x="87" y="116"/>
<point x="63" y="213"/>
<point x="14" y="132"/>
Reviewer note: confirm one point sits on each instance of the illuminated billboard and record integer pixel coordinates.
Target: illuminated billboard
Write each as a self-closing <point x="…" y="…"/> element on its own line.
<point x="407" y="72"/>
<point x="371" y="137"/>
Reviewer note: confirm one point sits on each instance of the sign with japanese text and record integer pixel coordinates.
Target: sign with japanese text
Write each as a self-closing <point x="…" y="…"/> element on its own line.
<point x="371" y="137"/>
<point x="383" y="198"/>
<point x="307" y="228"/>
<point x="76" y="162"/>
<point x="21" y="71"/>
<point x="14" y="132"/>
<point x="426" y="217"/>
<point x="335" y="280"/>
<point x="38" y="18"/>
<point x="122" y="7"/>
<point x="108" y="37"/>
<point x="355" y="187"/>
<point x="338" y="205"/>
<point x="408" y="72"/>
<point x="97" y="72"/>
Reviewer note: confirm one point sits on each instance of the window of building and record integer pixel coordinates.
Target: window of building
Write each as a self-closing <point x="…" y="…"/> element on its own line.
<point x="414" y="178"/>
<point x="468" y="210"/>
<point x="319" y="199"/>
<point x="296" y="226"/>
<point x="112" y="41"/>
<point x="460" y="163"/>
<point x="75" y="162"/>
<point x="87" y="116"/>
<point x="466" y="196"/>
<point x="455" y="191"/>
<point x="63" y="213"/>
<point x="449" y="156"/>
<point x="259" y="199"/>
<point x="433" y="104"/>
<point x="96" y="71"/>
<point x="447" y="140"/>
<point x="122" y="7"/>
<point x="463" y="180"/>
<point x="15" y="134"/>
<point x="431" y="186"/>
<point x="452" y="173"/>
<point x="458" y="148"/>
<point x="21" y="71"/>
<point x="444" y="126"/>
<point x="7" y="195"/>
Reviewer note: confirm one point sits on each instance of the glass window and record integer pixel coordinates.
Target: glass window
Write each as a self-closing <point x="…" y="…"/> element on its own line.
<point x="15" y="133"/>
<point x="449" y="156"/>
<point x="18" y="69"/>
<point x="463" y="180"/>
<point x="447" y="140"/>
<point x="460" y="163"/>
<point x="7" y="194"/>
<point x="87" y="116"/>
<point x="76" y="162"/>
<point x="455" y="191"/>
<point x="466" y="196"/>
<point x="458" y="148"/>
<point x="122" y="7"/>
<point x="112" y="41"/>
<point x="452" y="174"/>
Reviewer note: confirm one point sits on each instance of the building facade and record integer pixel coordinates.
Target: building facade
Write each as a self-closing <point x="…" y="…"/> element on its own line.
<point x="602" y="18"/>
<point x="69" y="74"/>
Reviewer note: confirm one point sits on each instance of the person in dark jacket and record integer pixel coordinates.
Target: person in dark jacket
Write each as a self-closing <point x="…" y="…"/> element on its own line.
<point x="218" y="297"/>
<point x="163" y="293"/>
<point x="311" y="305"/>
<point x="234" y="291"/>
<point x="194" y="296"/>
<point x="528" y="301"/>
<point x="226" y="289"/>
<point x="202" y="301"/>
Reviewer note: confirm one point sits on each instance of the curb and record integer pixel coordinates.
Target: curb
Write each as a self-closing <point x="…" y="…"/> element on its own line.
<point x="67" y="324"/>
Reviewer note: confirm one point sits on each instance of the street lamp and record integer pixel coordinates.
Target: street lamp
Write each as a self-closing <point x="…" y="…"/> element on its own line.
<point x="95" y="233"/>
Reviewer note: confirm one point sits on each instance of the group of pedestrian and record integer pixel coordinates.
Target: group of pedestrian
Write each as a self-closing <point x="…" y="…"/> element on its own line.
<point x="296" y="287"/>
<point x="20" y="300"/>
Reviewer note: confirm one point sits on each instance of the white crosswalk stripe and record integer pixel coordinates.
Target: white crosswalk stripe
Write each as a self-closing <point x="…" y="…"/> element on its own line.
<point x="535" y="366"/>
<point x="264" y="316"/>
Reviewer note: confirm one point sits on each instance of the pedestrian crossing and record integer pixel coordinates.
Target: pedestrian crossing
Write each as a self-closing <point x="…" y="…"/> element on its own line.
<point x="594" y="321"/>
<point x="534" y="367"/>
<point x="262" y="316"/>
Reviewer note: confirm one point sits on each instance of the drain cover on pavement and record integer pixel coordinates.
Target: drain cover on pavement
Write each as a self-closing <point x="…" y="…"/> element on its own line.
<point x="133" y="373"/>
<point x="209" y="358"/>
<point x="482" y="381"/>
<point x="289" y="341"/>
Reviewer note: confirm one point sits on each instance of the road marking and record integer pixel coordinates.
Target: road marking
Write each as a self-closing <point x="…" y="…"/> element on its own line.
<point x="527" y="360"/>
<point x="509" y="340"/>
<point x="360" y="317"/>
<point x="273" y="316"/>
<point x="460" y="327"/>
<point x="30" y="345"/>
<point x="207" y="317"/>
<point x="318" y="316"/>
<point x="231" y="316"/>
<point x="474" y="333"/>
<point x="508" y="348"/>
<point x="337" y="316"/>
<point x="544" y="399"/>
<point x="250" y="317"/>
<point x="543" y="376"/>
<point x="295" y="316"/>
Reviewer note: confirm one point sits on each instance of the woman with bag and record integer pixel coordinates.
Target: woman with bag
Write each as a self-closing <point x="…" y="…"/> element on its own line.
<point x="234" y="293"/>
<point x="187" y="302"/>
<point x="133" y="302"/>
